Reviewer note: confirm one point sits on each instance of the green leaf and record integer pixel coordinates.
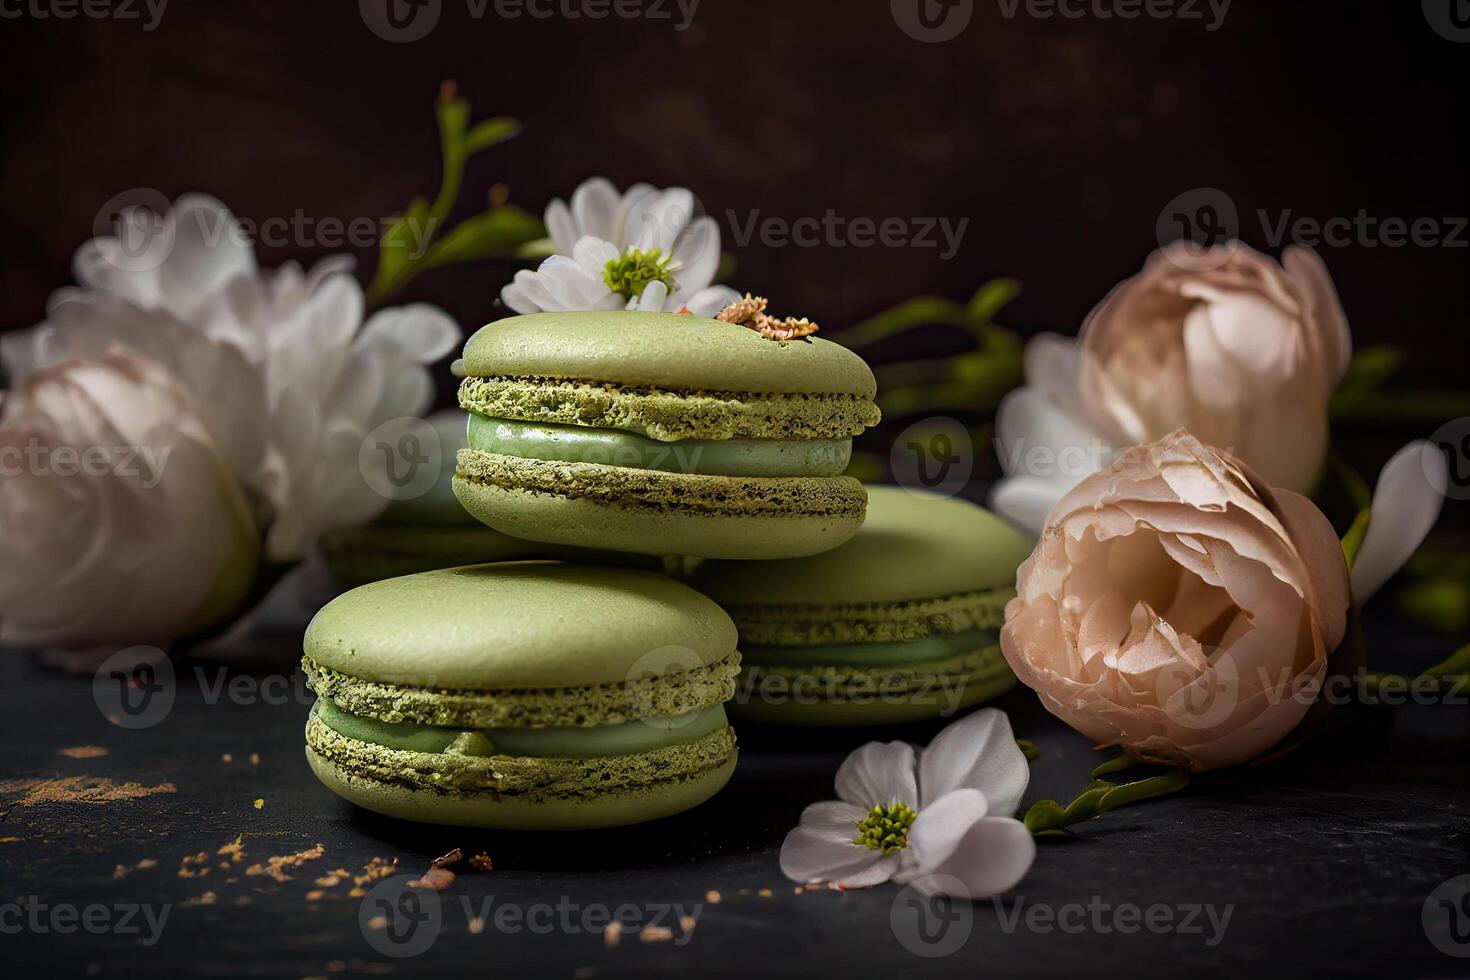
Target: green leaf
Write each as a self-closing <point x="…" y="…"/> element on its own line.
<point x="1441" y="602"/>
<point x="1352" y="541"/>
<point x="905" y="316"/>
<point x="1144" y="789"/>
<point x="490" y="234"/>
<point x="1118" y="763"/>
<point x="1400" y="406"/>
<point x="489" y="132"/>
<point x="1370" y="367"/>
<point x="989" y="299"/>
<point x="400" y="246"/>
<point x="1028" y="749"/>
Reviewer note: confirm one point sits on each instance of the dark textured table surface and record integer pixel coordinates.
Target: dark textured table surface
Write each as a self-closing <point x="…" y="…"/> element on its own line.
<point x="1320" y="863"/>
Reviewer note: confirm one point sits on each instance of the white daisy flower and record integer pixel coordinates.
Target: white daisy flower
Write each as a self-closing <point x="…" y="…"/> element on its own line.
<point x="922" y="817"/>
<point x="642" y="250"/>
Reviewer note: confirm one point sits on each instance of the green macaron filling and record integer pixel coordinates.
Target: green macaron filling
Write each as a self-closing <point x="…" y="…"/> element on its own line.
<point x="616" y="447"/>
<point x="629" y="738"/>
<point x="925" y="649"/>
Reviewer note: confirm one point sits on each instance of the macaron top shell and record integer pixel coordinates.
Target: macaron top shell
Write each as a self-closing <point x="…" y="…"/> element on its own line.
<point x="664" y="350"/>
<point x="534" y="625"/>
<point x="913" y="545"/>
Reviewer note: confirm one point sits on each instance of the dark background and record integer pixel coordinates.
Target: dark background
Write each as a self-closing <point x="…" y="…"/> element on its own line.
<point x="1061" y="140"/>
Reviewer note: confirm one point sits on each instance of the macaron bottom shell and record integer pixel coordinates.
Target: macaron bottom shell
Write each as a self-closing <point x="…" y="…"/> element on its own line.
<point x="613" y="808"/>
<point x="521" y="793"/>
<point x="659" y="513"/>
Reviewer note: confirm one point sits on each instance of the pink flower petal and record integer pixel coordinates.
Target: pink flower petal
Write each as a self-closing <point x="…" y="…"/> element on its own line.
<point x="938" y="830"/>
<point x="991" y="858"/>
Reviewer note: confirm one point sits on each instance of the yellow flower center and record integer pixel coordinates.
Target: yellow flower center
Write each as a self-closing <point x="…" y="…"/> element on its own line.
<point x="886" y="828"/>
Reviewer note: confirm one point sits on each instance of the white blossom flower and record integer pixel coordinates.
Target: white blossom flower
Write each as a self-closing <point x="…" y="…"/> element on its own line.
<point x="922" y="816"/>
<point x="120" y="520"/>
<point x="643" y="250"/>
<point x="282" y="368"/>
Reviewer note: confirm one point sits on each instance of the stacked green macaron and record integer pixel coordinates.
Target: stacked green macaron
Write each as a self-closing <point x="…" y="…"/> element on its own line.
<point x="662" y="433"/>
<point x="524" y="695"/>
<point x="432" y="530"/>
<point x="898" y="624"/>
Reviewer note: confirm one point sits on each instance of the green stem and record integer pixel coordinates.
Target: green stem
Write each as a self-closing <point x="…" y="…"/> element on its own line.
<point x="1448" y="675"/>
<point x="1048" y="817"/>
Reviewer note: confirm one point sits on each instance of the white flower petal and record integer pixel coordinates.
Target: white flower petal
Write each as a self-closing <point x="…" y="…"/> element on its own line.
<point x="938" y="830"/>
<point x="708" y="302"/>
<point x="991" y="858"/>
<point x="879" y="774"/>
<point x="654" y="296"/>
<point x="594" y="208"/>
<point x="809" y="855"/>
<point x="1026" y="500"/>
<point x="698" y="253"/>
<point x="561" y="225"/>
<point x="1405" y="506"/>
<point x="977" y="752"/>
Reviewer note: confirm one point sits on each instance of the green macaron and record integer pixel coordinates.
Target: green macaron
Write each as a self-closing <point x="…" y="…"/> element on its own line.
<point x="662" y="433"/>
<point x="898" y="624"/>
<point x="524" y="695"/>
<point x="433" y="530"/>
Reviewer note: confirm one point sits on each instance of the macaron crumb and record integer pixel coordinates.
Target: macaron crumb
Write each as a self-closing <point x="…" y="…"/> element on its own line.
<point x="481" y="862"/>
<point x="435" y="879"/>
<point x="227" y="758"/>
<point x="255" y="758"/>
<point x="764" y="893"/>
<point x="612" y="934"/>
<point x="655" y="934"/>
<point x="259" y="804"/>
<point x="276" y="867"/>
<point x="712" y="897"/>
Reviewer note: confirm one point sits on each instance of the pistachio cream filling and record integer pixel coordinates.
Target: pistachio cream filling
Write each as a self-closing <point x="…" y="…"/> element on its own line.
<point x="925" y="649"/>
<point x="708" y="457"/>
<point x="629" y="738"/>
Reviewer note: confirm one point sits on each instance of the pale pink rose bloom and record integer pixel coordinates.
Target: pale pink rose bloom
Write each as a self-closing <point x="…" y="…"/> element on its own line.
<point x="1241" y="351"/>
<point x="1179" y="606"/>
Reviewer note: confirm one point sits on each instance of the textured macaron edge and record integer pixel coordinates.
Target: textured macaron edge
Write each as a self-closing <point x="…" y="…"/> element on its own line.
<point x="670" y="415"/>
<point x="628" y="488"/>
<point x="798" y="624"/>
<point x="677" y="691"/>
<point x="525" y="778"/>
<point x="836" y="684"/>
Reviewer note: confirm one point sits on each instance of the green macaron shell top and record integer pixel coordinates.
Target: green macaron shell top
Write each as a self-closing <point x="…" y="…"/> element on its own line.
<point x="663" y="350"/>
<point x="729" y="457"/>
<point x="913" y="546"/>
<point x="898" y="653"/>
<point x="533" y="626"/>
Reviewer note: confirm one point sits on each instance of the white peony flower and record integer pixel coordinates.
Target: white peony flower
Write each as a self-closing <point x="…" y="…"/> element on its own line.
<point x="282" y="369"/>
<point x="1241" y="351"/>
<point x="120" y="520"/>
<point x="643" y="250"/>
<point x="922" y="816"/>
